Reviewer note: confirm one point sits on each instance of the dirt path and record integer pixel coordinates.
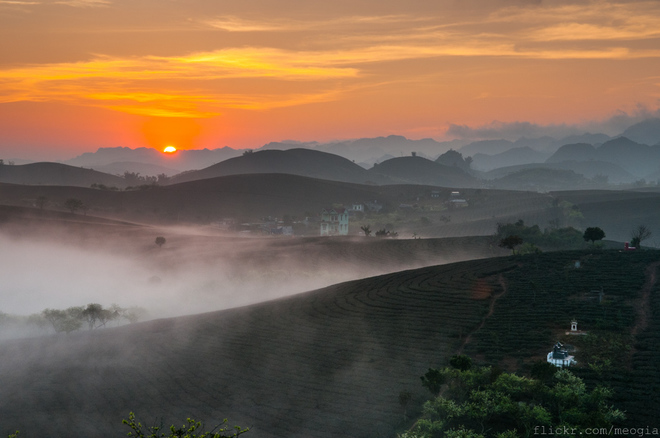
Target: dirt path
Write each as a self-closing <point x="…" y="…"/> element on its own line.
<point x="644" y="304"/>
<point x="491" y="309"/>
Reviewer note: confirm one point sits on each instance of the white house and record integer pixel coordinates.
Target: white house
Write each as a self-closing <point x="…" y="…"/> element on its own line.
<point x="334" y="222"/>
<point x="559" y="356"/>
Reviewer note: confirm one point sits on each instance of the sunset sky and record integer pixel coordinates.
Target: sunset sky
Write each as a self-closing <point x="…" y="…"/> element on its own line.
<point x="76" y="75"/>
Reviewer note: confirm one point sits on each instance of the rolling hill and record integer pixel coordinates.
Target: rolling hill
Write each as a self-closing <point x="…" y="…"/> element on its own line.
<point x="418" y="170"/>
<point x="56" y="174"/>
<point x="336" y="359"/>
<point x="302" y="162"/>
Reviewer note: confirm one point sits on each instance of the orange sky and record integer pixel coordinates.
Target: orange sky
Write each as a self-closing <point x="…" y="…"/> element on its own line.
<point x="76" y="75"/>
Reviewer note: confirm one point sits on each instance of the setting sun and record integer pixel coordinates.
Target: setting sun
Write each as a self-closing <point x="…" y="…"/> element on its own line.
<point x="169" y="149"/>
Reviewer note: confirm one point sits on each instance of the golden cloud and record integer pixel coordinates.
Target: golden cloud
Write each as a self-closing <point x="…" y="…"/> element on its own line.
<point x="348" y="55"/>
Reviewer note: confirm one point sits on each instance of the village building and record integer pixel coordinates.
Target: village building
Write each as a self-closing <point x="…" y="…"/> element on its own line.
<point x="560" y="357"/>
<point x="457" y="200"/>
<point x="334" y="222"/>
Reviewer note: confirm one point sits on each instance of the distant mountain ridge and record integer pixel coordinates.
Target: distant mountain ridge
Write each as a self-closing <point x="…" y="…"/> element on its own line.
<point x="636" y="158"/>
<point x="645" y="132"/>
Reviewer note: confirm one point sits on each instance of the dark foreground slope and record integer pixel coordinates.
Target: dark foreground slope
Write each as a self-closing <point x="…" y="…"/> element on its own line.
<point x="332" y="362"/>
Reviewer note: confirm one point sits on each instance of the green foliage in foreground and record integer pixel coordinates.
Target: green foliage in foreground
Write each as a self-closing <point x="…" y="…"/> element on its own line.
<point x="485" y="402"/>
<point x="192" y="429"/>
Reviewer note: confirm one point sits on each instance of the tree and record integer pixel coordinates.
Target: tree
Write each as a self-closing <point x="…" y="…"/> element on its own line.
<point x="160" y="241"/>
<point x="96" y="316"/>
<point x="593" y="234"/>
<point x="433" y="380"/>
<point x="192" y="429"/>
<point x="639" y="234"/>
<point x="67" y="321"/>
<point x="461" y="362"/>
<point x="73" y="204"/>
<point x="366" y="229"/>
<point x="510" y="242"/>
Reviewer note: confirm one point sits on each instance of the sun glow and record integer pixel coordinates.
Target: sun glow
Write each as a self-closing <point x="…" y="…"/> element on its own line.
<point x="169" y="150"/>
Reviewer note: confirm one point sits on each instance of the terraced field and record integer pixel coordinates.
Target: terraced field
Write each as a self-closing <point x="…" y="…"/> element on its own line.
<point x="332" y="362"/>
<point x="314" y="365"/>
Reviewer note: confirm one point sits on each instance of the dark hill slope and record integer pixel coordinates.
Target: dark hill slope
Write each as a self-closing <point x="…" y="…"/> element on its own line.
<point x="303" y="162"/>
<point x="540" y="179"/>
<point x="418" y="170"/>
<point x="206" y="200"/>
<point x="333" y="360"/>
<point x="56" y="174"/>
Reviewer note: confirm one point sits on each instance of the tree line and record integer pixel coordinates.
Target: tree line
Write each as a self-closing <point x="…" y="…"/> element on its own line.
<point x="92" y="317"/>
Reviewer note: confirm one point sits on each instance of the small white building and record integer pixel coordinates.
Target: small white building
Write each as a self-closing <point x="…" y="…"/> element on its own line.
<point x="334" y="222"/>
<point x="559" y="356"/>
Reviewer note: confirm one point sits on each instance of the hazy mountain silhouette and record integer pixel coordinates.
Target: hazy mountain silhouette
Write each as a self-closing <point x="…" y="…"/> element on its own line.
<point x="488" y="147"/>
<point x="594" y="139"/>
<point x="56" y="174"/>
<point x="573" y="152"/>
<point x="303" y="162"/>
<point x="511" y="157"/>
<point x="646" y="132"/>
<point x="636" y="158"/>
<point x="371" y="150"/>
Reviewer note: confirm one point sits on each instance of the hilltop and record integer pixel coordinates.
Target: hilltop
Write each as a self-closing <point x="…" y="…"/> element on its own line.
<point x="302" y="162"/>
<point x="419" y="170"/>
<point x="336" y="359"/>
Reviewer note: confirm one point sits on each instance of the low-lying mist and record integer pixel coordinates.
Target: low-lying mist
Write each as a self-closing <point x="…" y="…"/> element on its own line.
<point x="193" y="272"/>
